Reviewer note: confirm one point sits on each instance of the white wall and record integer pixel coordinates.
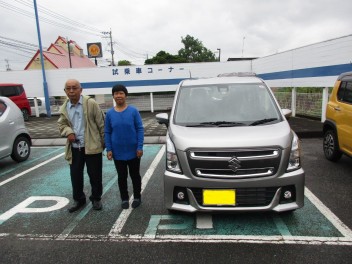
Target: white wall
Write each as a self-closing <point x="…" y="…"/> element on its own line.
<point x="315" y="65"/>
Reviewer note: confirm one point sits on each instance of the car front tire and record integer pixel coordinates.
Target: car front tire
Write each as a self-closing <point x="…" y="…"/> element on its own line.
<point x="331" y="146"/>
<point x="21" y="149"/>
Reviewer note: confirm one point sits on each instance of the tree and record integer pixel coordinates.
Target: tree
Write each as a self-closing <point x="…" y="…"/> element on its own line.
<point x="194" y="51"/>
<point x="124" y="63"/>
<point x="163" y="57"/>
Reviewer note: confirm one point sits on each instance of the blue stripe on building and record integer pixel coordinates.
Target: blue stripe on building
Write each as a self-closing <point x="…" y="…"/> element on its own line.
<point x="332" y="70"/>
<point x="323" y="71"/>
<point x="157" y="82"/>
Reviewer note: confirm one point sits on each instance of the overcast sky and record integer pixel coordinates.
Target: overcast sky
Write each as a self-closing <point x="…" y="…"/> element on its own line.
<point x="141" y="28"/>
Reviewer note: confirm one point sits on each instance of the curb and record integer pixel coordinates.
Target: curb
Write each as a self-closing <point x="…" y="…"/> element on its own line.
<point x="43" y="142"/>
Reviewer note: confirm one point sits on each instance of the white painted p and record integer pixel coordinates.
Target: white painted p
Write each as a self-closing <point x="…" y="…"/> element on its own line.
<point x="22" y="208"/>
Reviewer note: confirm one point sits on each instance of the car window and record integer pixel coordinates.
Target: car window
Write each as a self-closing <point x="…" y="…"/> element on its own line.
<point x="348" y="93"/>
<point x="3" y="107"/>
<point x="344" y="93"/>
<point x="242" y="103"/>
<point x="9" y="91"/>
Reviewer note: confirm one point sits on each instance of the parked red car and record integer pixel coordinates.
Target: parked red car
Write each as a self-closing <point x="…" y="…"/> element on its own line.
<point x="18" y="95"/>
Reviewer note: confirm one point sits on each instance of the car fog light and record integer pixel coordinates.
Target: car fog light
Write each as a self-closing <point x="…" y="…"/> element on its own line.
<point x="181" y="195"/>
<point x="287" y="195"/>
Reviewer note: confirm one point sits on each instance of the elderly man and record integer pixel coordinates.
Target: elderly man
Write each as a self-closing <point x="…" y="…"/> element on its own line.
<point x="81" y="121"/>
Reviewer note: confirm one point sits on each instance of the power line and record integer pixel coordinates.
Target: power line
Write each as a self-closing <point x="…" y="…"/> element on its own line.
<point x="50" y="17"/>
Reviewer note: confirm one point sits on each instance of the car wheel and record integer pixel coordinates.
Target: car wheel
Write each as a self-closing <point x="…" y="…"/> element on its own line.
<point x="21" y="149"/>
<point x="331" y="146"/>
<point x="25" y="114"/>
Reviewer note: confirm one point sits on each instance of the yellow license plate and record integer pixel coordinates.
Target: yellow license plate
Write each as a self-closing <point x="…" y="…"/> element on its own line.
<point x="219" y="197"/>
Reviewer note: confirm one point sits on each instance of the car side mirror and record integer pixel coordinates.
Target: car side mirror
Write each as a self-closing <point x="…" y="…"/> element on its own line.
<point x="287" y="113"/>
<point x="163" y="118"/>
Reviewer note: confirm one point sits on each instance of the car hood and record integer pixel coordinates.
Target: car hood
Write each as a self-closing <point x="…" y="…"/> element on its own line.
<point x="278" y="134"/>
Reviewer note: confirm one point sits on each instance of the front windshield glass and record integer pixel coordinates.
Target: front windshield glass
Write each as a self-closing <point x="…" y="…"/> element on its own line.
<point x="226" y="105"/>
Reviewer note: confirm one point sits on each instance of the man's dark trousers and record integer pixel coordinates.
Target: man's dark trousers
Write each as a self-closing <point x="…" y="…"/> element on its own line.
<point x="94" y="165"/>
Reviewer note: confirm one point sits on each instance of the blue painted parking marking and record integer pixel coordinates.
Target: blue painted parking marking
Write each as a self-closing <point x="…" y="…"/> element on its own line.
<point x="43" y="190"/>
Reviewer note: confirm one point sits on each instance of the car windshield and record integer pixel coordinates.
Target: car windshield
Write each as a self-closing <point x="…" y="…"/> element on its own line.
<point x="226" y="105"/>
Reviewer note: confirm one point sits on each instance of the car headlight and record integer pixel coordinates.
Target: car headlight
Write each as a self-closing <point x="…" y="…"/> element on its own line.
<point x="294" y="162"/>
<point x="172" y="162"/>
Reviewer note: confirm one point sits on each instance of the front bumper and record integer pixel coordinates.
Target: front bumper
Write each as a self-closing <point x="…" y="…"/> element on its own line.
<point x="257" y="187"/>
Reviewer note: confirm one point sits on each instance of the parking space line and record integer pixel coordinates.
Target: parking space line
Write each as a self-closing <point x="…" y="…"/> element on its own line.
<point x="83" y="213"/>
<point x="281" y="226"/>
<point x="121" y="220"/>
<point x="31" y="161"/>
<point x="204" y="221"/>
<point x="31" y="169"/>
<point x="343" y="229"/>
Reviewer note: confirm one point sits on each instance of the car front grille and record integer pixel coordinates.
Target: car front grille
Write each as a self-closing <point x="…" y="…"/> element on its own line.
<point x="234" y="164"/>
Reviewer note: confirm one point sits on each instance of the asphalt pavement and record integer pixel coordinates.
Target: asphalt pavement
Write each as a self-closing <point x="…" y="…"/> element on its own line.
<point x="44" y="131"/>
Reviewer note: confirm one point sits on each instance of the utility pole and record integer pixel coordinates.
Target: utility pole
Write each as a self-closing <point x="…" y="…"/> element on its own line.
<point x="7" y="65"/>
<point x="111" y="45"/>
<point x="219" y="53"/>
<point x="243" y="45"/>
<point x="69" y="51"/>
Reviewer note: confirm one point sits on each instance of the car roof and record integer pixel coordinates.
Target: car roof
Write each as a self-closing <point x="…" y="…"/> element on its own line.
<point x="345" y="75"/>
<point x="7" y="100"/>
<point x="9" y="84"/>
<point x="221" y="80"/>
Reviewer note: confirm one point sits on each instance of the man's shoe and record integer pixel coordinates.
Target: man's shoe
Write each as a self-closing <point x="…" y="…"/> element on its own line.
<point x="136" y="203"/>
<point x="76" y="206"/>
<point x="125" y="205"/>
<point x="97" y="205"/>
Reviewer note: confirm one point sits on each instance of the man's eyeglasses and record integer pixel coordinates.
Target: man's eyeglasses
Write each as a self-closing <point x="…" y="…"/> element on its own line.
<point x="71" y="89"/>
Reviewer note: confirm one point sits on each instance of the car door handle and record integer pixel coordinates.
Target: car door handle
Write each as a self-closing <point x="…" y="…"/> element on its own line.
<point x="337" y="108"/>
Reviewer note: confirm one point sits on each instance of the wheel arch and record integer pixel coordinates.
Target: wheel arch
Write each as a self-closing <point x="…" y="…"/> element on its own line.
<point x="26" y="136"/>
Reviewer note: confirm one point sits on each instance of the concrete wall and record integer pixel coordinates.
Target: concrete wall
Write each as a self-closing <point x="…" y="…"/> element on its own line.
<point x="315" y="65"/>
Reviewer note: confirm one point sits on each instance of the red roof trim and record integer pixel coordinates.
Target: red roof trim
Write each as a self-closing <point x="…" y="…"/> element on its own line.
<point x="30" y="62"/>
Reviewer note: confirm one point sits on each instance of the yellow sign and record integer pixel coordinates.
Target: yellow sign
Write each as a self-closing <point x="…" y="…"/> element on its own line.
<point x="94" y="50"/>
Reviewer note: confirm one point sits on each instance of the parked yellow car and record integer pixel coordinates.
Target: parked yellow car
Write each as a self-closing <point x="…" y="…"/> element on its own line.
<point x="338" y="124"/>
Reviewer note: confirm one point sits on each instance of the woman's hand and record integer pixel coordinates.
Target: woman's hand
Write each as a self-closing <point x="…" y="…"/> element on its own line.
<point x="109" y="155"/>
<point x="139" y="153"/>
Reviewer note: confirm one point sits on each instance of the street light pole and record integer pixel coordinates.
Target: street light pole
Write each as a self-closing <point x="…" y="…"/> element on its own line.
<point x="219" y="53"/>
<point x="45" y="84"/>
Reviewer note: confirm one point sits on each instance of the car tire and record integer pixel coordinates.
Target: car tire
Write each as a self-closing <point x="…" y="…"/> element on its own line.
<point x="331" y="146"/>
<point x="21" y="149"/>
<point x="25" y="114"/>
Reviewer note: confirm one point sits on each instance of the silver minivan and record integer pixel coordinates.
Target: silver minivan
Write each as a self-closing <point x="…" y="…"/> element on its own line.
<point x="230" y="148"/>
<point x="14" y="140"/>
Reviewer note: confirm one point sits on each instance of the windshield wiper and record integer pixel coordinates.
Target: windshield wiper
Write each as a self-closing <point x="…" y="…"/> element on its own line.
<point x="222" y="123"/>
<point x="262" y="121"/>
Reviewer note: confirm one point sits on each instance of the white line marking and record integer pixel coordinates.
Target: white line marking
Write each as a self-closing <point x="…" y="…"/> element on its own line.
<point x="344" y="230"/>
<point x="83" y="213"/>
<point x="281" y="226"/>
<point x="29" y="170"/>
<point x="337" y="241"/>
<point x="121" y="220"/>
<point x="204" y="221"/>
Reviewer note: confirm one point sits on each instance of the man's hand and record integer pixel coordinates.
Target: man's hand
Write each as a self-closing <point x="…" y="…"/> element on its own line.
<point x="71" y="138"/>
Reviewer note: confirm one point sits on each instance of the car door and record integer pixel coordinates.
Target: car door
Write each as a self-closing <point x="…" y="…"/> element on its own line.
<point x="6" y="127"/>
<point x="345" y="116"/>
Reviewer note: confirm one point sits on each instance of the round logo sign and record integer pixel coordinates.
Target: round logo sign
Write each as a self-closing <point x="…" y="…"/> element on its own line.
<point x="94" y="50"/>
